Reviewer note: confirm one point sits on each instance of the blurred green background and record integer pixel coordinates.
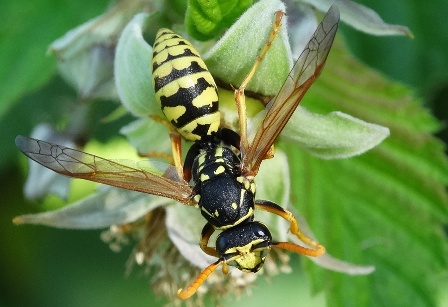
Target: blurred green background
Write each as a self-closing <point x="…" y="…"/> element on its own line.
<point x="49" y="267"/>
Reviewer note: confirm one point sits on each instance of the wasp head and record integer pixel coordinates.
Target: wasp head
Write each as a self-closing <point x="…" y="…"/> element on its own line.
<point x="245" y="246"/>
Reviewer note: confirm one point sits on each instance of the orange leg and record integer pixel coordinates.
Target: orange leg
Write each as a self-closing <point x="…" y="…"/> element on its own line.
<point x="299" y="249"/>
<point x="161" y="155"/>
<point x="240" y="99"/>
<point x="176" y="148"/>
<point x="184" y="294"/>
<point x="207" y="231"/>
<point x="163" y="121"/>
<point x="318" y="249"/>
<point x="176" y="144"/>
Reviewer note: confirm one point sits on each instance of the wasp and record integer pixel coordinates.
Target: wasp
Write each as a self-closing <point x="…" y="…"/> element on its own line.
<point x="221" y="164"/>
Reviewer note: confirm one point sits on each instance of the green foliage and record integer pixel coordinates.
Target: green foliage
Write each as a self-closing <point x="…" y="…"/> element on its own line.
<point x="205" y="19"/>
<point x="423" y="61"/>
<point x="252" y="29"/>
<point x="26" y="71"/>
<point x="28" y="33"/>
<point x="386" y="207"/>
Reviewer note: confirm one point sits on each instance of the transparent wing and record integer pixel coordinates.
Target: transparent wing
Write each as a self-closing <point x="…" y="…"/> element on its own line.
<point x="148" y="177"/>
<point x="304" y="72"/>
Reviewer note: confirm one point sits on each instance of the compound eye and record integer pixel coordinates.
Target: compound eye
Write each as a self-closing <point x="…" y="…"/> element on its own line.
<point x="260" y="231"/>
<point x="253" y="234"/>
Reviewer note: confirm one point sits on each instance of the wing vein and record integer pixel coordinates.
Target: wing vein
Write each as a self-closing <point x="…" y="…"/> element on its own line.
<point x="303" y="74"/>
<point x="150" y="177"/>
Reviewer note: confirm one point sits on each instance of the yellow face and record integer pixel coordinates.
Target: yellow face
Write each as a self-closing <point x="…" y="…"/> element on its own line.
<point x="248" y="258"/>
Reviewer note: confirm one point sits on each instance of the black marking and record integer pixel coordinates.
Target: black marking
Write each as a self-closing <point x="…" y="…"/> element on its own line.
<point x="174" y="43"/>
<point x="187" y="53"/>
<point x="229" y="137"/>
<point x="168" y="35"/>
<point x="176" y="74"/>
<point x="187" y="95"/>
<point x="227" y="157"/>
<point x="201" y="130"/>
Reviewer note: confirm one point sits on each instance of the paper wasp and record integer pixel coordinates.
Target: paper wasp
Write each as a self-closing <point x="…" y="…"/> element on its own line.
<point x="221" y="164"/>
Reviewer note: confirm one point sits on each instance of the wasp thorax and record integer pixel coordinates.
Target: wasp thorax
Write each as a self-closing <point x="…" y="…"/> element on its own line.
<point x="214" y="161"/>
<point x="224" y="200"/>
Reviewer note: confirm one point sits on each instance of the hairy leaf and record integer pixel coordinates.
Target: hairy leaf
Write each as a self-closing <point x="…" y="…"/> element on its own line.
<point x="384" y="208"/>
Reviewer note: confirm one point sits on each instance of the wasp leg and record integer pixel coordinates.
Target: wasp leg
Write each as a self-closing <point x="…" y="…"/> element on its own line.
<point x="184" y="294"/>
<point x="155" y="154"/>
<point x="176" y="148"/>
<point x="192" y="153"/>
<point x="207" y="232"/>
<point x="298" y="249"/>
<point x="240" y="99"/>
<point x="317" y="250"/>
<point x="176" y="145"/>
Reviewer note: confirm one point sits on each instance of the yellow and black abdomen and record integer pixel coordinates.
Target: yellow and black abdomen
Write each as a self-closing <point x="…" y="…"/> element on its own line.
<point x="184" y="87"/>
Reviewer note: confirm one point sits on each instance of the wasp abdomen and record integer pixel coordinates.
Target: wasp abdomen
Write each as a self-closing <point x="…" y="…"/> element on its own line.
<point x="184" y="87"/>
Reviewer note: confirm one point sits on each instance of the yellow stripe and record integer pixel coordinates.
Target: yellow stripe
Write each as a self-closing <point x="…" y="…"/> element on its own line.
<point x="207" y="97"/>
<point x="179" y="64"/>
<point x="212" y="119"/>
<point x="164" y="43"/>
<point x="175" y="112"/>
<point x="174" y="51"/>
<point x="184" y="82"/>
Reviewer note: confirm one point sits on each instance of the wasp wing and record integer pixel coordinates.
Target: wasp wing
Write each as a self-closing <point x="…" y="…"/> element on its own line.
<point x="148" y="177"/>
<point x="304" y="72"/>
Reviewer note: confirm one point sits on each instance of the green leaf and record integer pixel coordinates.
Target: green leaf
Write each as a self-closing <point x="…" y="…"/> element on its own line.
<point x="274" y="184"/>
<point x="277" y="190"/>
<point x="205" y="18"/>
<point x="111" y="206"/>
<point x="133" y="69"/>
<point x="85" y="54"/>
<point x="333" y="136"/>
<point x="183" y="232"/>
<point x="145" y="135"/>
<point x="25" y="40"/>
<point x="385" y="208"/>
<point x="361" y="18"/>
<point x="241" y="44"/>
